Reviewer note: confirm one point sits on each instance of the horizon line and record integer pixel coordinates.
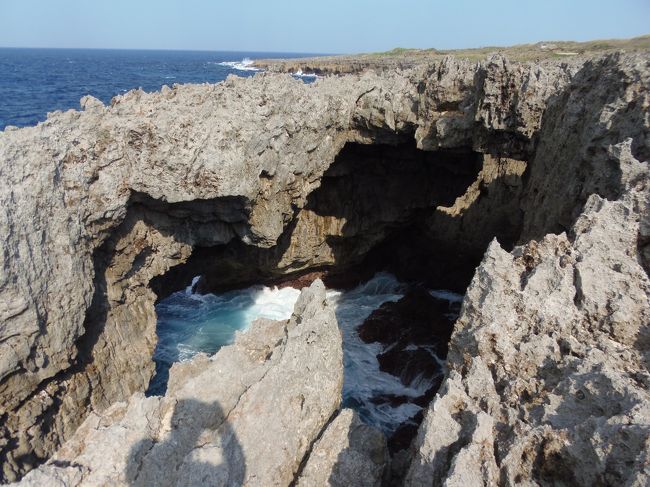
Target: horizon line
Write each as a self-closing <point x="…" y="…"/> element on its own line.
<point x="349" y="53"/>
<point x="176" y="50"/>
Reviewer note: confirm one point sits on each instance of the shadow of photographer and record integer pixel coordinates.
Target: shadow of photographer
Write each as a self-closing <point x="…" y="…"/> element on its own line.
<point x="200" y="449"/>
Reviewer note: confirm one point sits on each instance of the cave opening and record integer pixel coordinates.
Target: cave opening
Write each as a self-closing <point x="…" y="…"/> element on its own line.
<point x="395" y="233"/>
<point x="377" y="208"/>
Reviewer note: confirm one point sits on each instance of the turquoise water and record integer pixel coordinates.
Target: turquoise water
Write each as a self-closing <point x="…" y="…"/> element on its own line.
<point x="191" y="323"/>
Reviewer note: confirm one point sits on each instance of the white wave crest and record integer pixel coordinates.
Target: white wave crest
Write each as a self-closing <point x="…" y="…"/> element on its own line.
<point x="447" y="295"/>
<point x="190" y="289"/>
<point x="245" y="64"/>
<point x="272" y="303"/>
<point x="300" y="74"/>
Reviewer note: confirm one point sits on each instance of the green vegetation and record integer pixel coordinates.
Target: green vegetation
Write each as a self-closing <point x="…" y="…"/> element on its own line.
<point x="526" y="52"/>
<point x="403" y="57"/>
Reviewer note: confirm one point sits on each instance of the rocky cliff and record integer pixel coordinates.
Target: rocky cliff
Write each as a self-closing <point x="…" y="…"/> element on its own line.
<point x="257" y="178"/>
<point x="401" y="58"/>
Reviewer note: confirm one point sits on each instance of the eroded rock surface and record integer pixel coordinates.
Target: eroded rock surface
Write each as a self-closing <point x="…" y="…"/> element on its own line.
<point x="349" y="453"/>
<point x="245" y="416"/>
<point x="548" y="379"/>
<point x="95" y="205"/>
<point x="548" y="376"/>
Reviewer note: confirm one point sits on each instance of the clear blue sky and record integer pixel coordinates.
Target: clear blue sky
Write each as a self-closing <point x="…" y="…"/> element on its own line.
<point x="330" y="26"/>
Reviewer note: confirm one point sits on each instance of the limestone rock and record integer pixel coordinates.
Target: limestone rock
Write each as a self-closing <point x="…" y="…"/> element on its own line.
<point x="89" y="102"/>
<point x="548" y="360"/>
<point x="245" y="416"/>
<point x="349" y="453"/>
<point x="96" y="204"/>
<point x="547" y="379"/>
<point x="607" y="105"/>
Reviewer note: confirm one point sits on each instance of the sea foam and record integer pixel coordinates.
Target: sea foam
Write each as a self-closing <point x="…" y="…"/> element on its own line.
<point x="189" y="323"/>
<point x="245" y="64"/>
<point x="300" y="74"/>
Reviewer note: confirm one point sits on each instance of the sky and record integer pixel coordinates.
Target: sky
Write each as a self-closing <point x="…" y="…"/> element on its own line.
<point x="308" y="26"/>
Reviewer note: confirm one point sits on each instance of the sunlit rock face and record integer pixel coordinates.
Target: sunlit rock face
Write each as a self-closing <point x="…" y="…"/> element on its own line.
<point x="416" y="171"/>
<point x="548" y="362"/>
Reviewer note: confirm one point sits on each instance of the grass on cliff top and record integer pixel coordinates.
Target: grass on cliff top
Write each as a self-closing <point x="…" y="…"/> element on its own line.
<point x="405" y="57"/>
<point x="521" y="52"/>
<point x="525" y="52"/>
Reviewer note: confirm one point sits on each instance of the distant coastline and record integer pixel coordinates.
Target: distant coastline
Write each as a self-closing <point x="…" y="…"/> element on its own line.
<point x="404" y="58"/>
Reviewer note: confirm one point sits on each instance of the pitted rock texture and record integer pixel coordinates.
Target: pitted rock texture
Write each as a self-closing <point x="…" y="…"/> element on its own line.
<point x="96" y="204"/>
<point x="245" y="416"/>
<point x="548" y="365"/>
<point x="548" y="378"/>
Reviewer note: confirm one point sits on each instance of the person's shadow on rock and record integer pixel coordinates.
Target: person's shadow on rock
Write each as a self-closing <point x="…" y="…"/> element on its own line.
<point x="201" y="449"/>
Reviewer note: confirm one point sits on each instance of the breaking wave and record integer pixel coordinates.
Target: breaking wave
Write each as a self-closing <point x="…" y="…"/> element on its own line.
<point x="308" y="76"/>
<point x="190" y="323"/>
<point x="245" y="64"/>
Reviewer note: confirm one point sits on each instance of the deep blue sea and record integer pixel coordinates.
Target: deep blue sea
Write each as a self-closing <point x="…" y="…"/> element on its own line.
<point x="36" y="81"/>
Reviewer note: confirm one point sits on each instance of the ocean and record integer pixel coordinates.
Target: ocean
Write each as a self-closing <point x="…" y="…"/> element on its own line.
<point x="34" y="82"/>
<point x="189" y="323"/>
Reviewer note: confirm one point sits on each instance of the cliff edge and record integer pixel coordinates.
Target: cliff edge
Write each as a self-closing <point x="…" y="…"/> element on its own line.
<point x="101" y="210"/>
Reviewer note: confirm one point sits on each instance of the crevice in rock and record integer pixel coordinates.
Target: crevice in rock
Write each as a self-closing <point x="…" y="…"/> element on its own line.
<point x="425" y="216"/>
<point x="310" y="449"/>
<point x="414" y="332"/>
<point x="444" y="458"/>
<point x="643" y="247"/>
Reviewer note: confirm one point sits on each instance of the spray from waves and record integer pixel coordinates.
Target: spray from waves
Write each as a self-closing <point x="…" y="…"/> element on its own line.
<point x="189" y="323"/>
<point x="272" y="303"/>
<point x="245" y="64"/>
<point x="446" y="295"/>
<point x="364" y="382"/>
<point x="305" y="76"/>
<point x="189" y="290"/>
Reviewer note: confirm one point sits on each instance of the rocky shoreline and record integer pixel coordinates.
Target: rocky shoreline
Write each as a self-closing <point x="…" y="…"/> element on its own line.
<point x="402" y="59"/>
<point x="523" y="185"/>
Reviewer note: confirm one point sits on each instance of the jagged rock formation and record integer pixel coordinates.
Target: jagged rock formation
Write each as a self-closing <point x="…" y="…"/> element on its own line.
<point x="98" y="205"/>
<point x="548" y="374"/>
<point x="245" y="416"/>
<point x="549" y="360"/>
